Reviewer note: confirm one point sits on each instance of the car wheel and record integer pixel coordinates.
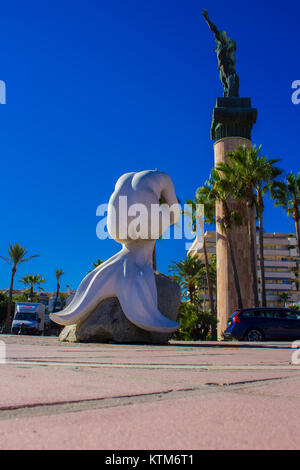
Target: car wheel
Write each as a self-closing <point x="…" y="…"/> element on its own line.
<point x="254" y="334"/>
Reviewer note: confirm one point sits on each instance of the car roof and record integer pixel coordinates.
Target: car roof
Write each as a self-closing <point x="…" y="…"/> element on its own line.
<point x="267" y="308"/>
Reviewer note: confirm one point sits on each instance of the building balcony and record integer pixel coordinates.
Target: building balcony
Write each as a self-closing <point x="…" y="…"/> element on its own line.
<point x="279" y="241"/>
<point x="280" y="287"/>
<point x="280" y="264"/>
<point x="277" y="275"/>
<point x="281" y="253"/>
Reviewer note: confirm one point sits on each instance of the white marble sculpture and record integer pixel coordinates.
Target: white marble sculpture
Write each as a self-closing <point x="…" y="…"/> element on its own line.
<point x="129" y="275"/>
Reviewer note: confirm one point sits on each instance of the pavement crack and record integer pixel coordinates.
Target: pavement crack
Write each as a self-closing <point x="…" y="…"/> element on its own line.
<point x="244" y="382"/>
<point x="42" y="409"/>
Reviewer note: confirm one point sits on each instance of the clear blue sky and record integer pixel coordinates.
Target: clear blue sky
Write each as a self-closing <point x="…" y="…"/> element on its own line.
<point x="97" y="88"/>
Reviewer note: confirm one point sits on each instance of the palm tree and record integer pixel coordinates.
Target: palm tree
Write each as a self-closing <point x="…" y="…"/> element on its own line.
<point x="286" y="194"/>
<point x="241" y="170"/>
<point x="95" y="265"/>
<point x="17" y="255"/>
<point x="265" y="179"/>
<point x="220" y="190"/>
<point x="32" y="280"/>
<point x="188" y="274"/>
<point x="58" y="274"/>
<point x="100" y="261"/>
<point x="27" y="281"/>
<point x="284" y="297"/>
<point x="39" y="282"/>
<point x="212" y="276"/>
<point x="252" y="176"/>
<point x="203" y="197"/>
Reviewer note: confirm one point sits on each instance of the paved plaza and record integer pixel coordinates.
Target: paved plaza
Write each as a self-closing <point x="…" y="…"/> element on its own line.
<point x="180" y="396"/>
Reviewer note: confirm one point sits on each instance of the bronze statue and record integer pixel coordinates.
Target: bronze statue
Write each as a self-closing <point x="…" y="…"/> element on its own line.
<point x="225" y="49"/>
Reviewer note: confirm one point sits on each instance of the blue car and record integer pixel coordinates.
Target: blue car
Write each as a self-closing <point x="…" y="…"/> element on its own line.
<point x="258" y="324"/>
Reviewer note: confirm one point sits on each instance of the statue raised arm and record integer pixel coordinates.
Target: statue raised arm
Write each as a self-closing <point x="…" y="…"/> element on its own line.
<point x="211" y="25"/>
<point x="225" y="49"/>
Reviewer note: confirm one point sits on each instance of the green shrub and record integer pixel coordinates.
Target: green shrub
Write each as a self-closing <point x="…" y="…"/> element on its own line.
<point x="295" y="307"/>
<point x="3" y="311"/>
<point x="3" y="308"/>
<point x="195" y="323"/>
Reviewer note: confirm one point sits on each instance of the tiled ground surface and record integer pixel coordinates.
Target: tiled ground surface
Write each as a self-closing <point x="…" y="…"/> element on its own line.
<point x="180" y="396"/>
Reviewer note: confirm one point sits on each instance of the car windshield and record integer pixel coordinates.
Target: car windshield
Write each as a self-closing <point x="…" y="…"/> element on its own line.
<point x="25" y="316"/>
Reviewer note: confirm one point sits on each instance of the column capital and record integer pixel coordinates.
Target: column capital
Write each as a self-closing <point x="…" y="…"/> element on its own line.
<point x="233" y="117"/>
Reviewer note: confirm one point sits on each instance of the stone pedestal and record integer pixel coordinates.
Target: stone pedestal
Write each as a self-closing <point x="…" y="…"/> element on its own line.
<point x="232" y="122"/>
<point x="109" y="324"/>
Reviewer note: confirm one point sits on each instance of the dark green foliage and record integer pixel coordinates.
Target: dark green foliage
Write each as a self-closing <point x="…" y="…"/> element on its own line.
<point x="188" y="273"/>
<point x="3" y="308"/>
<point x="3" y="311"/>
<point x="195" y="323"/>
<point x="295" y="307"/>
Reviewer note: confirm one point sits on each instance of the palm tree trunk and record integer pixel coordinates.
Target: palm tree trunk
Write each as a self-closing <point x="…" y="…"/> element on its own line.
<point x="234" y="268"/>
<point x="227" y="229"/>
<point x="191" y="291"/>
<point x="262" y="260"/>
<point x="296" y="218"/>
<point x="252" y="245"/>
<point x="209" y="286"/>
<point x="154" y="257"/>
<point x="8" y="321"/>
<point x="297" y="235"/>
<point x="56" y="297"/>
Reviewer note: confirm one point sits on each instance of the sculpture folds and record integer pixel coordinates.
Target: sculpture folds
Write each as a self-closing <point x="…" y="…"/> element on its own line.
<point x="129" y="274"/>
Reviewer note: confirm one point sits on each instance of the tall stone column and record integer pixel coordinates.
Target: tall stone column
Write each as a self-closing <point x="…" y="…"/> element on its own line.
<point x="233" y="119"/>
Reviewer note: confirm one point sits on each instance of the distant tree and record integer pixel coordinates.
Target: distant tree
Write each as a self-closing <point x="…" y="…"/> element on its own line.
<point x="203" y="196"/>
<point x="58" y="274"/>
<point x="95" y="265"/>
<point x="286" y="194"/>
<point x="267" y="175"/>
<point x="284" y="297"/>
<point x="98" y="263"/>
<point x="209" y="211"/>
<point x="21" y="297"/>
<point x="32" y="280"/>
<point x="188" y="273"/>
<point x="63" y="297"/>
<point x="17" y="255"/>
<point x="3" y="307"/>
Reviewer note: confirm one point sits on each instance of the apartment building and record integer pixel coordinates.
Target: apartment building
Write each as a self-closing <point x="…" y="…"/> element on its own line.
<point x="282" y="265"/>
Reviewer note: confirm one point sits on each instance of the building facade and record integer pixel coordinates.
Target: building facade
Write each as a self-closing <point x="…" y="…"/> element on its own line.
<point x="281" y="261"/>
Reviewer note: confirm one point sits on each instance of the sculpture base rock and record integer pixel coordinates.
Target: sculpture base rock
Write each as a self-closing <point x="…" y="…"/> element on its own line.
<point x="108" y="323"/>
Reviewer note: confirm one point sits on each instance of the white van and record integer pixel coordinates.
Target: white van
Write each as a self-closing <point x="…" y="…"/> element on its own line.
<point x="29" y="318"/>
